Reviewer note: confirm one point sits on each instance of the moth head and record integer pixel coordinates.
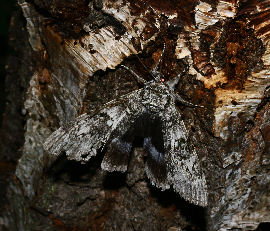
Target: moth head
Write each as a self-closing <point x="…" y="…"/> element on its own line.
<point x="158" y="76"/>
<point x="156" y="73"/>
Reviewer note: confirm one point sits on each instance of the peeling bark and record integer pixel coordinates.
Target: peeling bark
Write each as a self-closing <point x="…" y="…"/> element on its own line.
<point x="71" y="54"/>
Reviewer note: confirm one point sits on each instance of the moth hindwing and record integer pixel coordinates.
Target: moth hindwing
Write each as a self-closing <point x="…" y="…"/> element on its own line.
<point x="151" y="113"/>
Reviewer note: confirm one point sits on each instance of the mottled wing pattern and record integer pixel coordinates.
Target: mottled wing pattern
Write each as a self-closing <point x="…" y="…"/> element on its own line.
<point x="155" y="166"/>
<point x="184" y="171"/>
<point x="117" y="155"/>
<point x="86" y="134"/>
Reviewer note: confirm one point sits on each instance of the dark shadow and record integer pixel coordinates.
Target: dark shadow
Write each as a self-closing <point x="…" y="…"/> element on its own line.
<point x="74" y="171"/>
<point x="6" y="8"/>
<point x="194" y="214"/>
<point x="114" y="180"/>
<point x="264" y="226"/>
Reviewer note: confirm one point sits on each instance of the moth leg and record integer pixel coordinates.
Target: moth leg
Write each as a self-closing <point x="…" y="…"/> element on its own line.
<point x="172" y="83"/>
<point x="179" y="99"/>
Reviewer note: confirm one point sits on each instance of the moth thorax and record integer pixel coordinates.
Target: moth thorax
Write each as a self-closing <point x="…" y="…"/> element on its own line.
<point x="156" y="97"/>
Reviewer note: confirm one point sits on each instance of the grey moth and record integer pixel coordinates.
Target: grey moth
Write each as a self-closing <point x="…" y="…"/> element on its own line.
<point x="151" y="113"/>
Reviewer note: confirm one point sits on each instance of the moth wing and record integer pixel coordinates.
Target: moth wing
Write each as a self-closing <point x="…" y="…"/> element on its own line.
<point x="86" y="134"/>
<point x="116" y="157"/>
<point x="155" y="166"/>
<point x="184" y="171"/>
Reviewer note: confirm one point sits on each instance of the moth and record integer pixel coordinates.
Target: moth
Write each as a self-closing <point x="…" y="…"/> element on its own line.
<point x="151" y="113"/>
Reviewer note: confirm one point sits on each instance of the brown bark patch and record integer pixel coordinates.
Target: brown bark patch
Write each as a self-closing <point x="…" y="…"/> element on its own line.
<point x="238" y="52"/>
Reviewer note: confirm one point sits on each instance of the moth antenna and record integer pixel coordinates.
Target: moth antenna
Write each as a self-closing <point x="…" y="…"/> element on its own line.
<point x="160" y="59"/>
<point x="145" y="66"/>
<point x="138" y="78"/>
<point x="179" y="99"/>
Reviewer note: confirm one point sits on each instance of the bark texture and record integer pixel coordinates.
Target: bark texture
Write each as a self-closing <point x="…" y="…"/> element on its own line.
<point x="66" y="63"/>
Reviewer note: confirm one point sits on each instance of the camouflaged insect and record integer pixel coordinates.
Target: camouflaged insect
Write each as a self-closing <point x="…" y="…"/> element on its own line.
<point x="151" y="113"/>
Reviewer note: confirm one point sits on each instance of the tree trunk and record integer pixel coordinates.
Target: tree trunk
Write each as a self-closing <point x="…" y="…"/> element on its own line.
<point x="70" y="55"/>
